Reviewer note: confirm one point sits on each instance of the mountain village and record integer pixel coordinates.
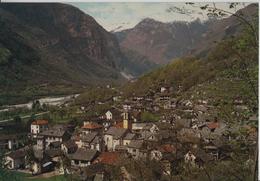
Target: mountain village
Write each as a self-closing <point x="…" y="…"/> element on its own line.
<point x="162" y="99"/>
<point x="188" y="134"/>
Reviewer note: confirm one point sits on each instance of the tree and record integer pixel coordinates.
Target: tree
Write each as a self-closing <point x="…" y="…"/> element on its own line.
<point x="148" y="117"/>
<point x="36" y="106"/>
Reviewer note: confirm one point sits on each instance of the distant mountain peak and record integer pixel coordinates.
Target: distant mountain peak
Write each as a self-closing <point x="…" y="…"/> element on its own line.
<point x="148" y="22"/>
<point x="162" y="42"/>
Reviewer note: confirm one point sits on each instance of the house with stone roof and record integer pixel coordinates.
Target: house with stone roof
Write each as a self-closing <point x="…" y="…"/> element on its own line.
<point x="57" y="133"/>
<point x="128" y="138"/>
<point x="83" y="157"/>
<point x="90" y="141"/>
<point x="114" y="136"/>
<point x="137" y="149"/>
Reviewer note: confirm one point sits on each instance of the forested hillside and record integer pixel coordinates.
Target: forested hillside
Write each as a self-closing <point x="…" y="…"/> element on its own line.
<point x="64" y="38"/>
<point x="51" y="49"/>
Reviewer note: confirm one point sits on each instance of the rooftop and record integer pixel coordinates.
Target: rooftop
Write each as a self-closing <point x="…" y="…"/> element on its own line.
<point x="40" y="122"/>
<point x="129" y="136"/>
<point x="116" y="132"/>
<point x="82" y="154"/>
<point x="70" y="144"/>
<point x="93" y="170"/>
<point x="54" y="132"/>
<point x="136" y="144"/>
<point x="109" y="158"/>
<point x="213" y="125"/>
<point x="88" y="137"/>
<point x="92" y="126"/>
<point x="18" y="153"/>
<point x="167" y="148"/>
<point x="119" y="124"/>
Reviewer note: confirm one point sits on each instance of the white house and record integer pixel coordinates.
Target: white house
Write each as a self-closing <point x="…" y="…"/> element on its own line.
<point x="38" y="126"/>
<point x="163" y="89"/>
<point x="113" y="114"/>
<point x="109" y="115"/>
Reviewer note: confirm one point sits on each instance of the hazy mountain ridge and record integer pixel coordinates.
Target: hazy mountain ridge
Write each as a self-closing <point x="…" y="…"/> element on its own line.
<point x="162" y="42"/>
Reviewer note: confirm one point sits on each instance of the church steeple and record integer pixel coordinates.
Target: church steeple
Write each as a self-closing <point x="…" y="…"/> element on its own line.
<point x="126" y="121"/>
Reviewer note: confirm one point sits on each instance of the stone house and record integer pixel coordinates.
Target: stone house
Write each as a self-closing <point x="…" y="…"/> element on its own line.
<point x="55" y="134"/>
<point x="136" y="149"/>
<point x="114" y="136"/>
<point x="83" y="157"/>
<point x="128" y="138"/>
<point x="90" y="141"/>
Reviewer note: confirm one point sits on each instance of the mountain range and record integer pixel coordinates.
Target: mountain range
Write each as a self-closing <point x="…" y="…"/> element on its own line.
<point x="53" y="43"/>
<point x="162" y="42"/>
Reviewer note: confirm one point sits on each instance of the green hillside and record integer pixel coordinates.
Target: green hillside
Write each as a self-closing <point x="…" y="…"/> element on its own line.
<point x="229" y="71"/>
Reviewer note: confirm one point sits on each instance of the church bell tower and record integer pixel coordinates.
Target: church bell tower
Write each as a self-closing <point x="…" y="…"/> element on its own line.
<point x="126" y="121"/>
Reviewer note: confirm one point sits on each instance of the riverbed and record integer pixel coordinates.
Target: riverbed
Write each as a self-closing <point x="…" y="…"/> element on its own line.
<point x="52" y="101"/>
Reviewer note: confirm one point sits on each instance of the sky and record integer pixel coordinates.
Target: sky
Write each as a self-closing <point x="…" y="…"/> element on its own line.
<point x="124" y="15"/>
